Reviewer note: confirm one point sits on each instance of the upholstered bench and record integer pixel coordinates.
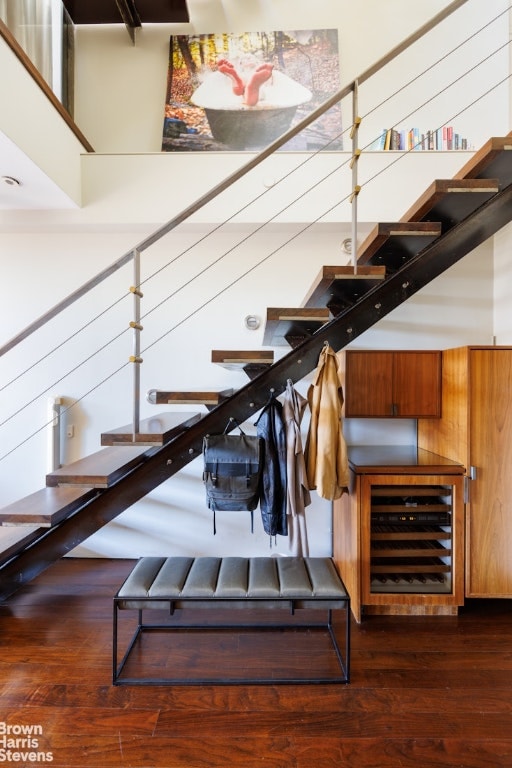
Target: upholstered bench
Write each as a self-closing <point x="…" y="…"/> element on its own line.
<point x="229" y="584"/>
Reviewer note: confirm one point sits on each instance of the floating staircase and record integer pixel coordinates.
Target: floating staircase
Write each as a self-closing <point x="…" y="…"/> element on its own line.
<point x="451" y="219"/>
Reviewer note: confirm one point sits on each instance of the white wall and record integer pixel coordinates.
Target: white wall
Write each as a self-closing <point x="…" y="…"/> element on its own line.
<point x="58" y="155"/>
<point x="120" y="92"/>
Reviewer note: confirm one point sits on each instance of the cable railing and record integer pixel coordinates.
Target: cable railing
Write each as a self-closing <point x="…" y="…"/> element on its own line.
<point x="103" y="354"/>
<point x="232" y="178"/>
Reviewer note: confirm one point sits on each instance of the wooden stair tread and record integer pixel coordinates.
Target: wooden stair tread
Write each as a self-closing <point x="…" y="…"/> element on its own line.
<point x="236" y="358"/>
<point x="451" y="200"/>
<point x="208" y="397"/>
<point x="156" y="430"/>
<point x="45" y="507"/>
<point x="337" y="287"/>
<point x="492" y="160"/>
<point x="392" y="244"/>
<point x="252" y="362"/>
<point x="100" y="469"/>
<point x="289" y="326"/>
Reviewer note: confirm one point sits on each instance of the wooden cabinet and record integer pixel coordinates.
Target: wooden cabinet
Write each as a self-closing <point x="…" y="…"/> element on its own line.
<point x="399" y="533"/>
<point x="392" y="384"/>
<point x="476" y="430"/>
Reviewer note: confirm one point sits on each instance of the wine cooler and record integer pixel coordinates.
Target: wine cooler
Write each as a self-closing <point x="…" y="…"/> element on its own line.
<point x="411" y="538"/>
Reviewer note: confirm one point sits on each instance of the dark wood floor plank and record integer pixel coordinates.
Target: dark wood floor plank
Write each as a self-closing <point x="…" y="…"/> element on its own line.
<point x="325" y="752"/>
<point x="359" y="724"/>
<point x="285" y="699"/>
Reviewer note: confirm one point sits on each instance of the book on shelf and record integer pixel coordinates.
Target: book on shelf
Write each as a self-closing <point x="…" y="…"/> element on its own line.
<point x="414" y="139"/>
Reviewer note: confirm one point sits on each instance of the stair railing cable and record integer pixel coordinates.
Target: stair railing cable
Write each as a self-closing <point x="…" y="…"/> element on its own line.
<point x="258" y="197"/>
<point x="310" y="188"/>
<point x="313" y="154"/>
<point x="353" y="130"/>
<point x="232" y="178"/>
<point x="273" y="252"/>
<point x="224" y="289"/>
<point x="234" y="282"/>
<point x="301" y="231"/>
<point x="438" y="61"/>
<point x="297" y="234"/>
<point x="160" y="233"/>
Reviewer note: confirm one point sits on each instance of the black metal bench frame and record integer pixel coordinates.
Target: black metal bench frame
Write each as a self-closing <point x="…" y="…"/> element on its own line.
<point x="171" y="604"/>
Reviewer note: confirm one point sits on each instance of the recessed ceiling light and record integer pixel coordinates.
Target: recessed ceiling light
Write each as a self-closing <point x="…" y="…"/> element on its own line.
<point x="11" y="181"/>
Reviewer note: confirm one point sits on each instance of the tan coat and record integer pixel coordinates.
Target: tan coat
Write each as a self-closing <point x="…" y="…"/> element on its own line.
<point x="326" y="450"/>
<point x="297" y="496"/>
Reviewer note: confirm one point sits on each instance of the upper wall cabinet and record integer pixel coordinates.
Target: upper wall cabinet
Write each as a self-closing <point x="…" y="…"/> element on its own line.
<point x="392" y="384"/>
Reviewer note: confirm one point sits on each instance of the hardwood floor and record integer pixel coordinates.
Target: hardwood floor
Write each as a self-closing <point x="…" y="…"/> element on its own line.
<point x="424" y="691"/>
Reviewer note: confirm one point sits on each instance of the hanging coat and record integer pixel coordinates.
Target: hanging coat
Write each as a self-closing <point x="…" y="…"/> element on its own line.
<point x="326" y="450"/>
<point x="270" y="427"/>
<point x="297" y="493"/>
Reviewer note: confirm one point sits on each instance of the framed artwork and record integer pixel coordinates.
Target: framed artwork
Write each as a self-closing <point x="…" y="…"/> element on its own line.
<point x="240" y="92"/>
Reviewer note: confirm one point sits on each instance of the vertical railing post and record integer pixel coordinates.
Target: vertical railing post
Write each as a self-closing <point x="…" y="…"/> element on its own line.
<point x="54" y="437"/>
<point x="137" y="328"/>
<point x="354" y="135"/>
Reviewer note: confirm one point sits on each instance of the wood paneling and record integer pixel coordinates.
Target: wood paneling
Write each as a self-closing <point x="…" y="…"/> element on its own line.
<point x="476" y="429"/>
<point x="490" y="509"/>
<point x="347" y="545"/>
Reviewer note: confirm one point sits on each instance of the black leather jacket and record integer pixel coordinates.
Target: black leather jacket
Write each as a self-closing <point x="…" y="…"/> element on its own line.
<point x="270" y="426"/>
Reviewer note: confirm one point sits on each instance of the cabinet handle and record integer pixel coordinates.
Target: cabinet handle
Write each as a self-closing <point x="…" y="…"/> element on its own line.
<point x="394" y="409"/>
<point x="466" y="490"/>
<point x="472" y="472"/>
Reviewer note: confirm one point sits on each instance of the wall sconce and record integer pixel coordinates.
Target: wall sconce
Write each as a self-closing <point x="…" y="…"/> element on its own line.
<point x="11" y="181"/>
<point x="252" y="322"/>
<point x="346" y="246"/>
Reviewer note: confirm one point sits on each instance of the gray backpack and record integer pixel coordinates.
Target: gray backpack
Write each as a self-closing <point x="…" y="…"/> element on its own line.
<point x="232" y="472"/>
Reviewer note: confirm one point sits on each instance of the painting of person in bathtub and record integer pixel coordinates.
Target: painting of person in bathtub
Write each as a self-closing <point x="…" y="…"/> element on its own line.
<point x="242" y="92"/>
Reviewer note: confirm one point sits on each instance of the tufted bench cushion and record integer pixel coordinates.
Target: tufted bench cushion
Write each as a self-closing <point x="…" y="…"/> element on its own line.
<point x="227" y="583"/>
<point x="210" y="580"/>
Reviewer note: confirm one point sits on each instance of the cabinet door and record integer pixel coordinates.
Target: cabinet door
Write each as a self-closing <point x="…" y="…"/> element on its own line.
<point x="489" y="518"/>
<point x="417" y="384"/>
<point x="392" y="384"/>
<point x="369" y="384"/>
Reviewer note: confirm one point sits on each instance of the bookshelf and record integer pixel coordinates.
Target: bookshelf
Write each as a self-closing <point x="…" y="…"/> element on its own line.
<point x="441" y="139"/>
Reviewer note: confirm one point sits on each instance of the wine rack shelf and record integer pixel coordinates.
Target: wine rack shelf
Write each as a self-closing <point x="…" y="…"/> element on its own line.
<point x="411" y="539"/>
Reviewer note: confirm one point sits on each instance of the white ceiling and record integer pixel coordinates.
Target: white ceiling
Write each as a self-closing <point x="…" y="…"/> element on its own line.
<point x="36" y="191"/>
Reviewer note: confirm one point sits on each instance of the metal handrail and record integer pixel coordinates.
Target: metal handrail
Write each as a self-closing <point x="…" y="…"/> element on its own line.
<point x="232" y="178"/>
